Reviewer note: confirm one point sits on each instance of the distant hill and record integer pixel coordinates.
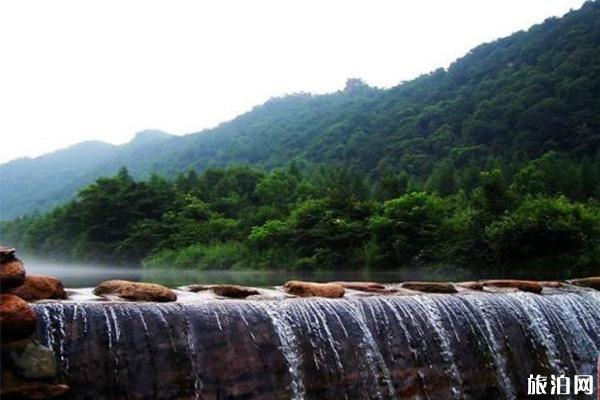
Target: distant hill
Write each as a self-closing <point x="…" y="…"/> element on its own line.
<point x="38" y="184"/>
<point x="504" y="102"/>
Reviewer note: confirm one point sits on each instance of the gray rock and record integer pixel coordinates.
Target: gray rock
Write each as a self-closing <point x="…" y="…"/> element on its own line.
<point x="30" y="359"/>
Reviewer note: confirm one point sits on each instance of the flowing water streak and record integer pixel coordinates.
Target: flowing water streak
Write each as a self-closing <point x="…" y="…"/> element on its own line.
<point x="61" y="320"/>
<point x="112" y="341"/>
<point x="316" y="307"/>
<point x="430" y="309"/>
<point x="584" y="333"/>
<point x="241" y="311"/>
<point x="216" y="314"/>
<point x="138" y="310"/>
<point x="49" y="334"/>
<point x="192" y="351"/>
<point x="396" y="307"/>
<point x="583" y="304"/>
<point x="333" y="311"/>
<point x="571" y="341"/>
<point x="288" y="347"/>
<point x="160" y="312"/>
<point x="490" y="332"/>
<point x="362" y="346"/>
<point x="312" y="336"/>
<point x="540" y="328"/>
<point x="373" y="355"/>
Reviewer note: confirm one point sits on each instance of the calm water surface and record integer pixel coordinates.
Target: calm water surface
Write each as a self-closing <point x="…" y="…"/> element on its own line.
<point x="83" y="275"/>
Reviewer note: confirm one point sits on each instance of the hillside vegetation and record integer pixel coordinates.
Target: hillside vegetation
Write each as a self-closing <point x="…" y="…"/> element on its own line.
<point x="245" y="218"/>
<point x="505" y="102"/>
<point x="493" y="162"/>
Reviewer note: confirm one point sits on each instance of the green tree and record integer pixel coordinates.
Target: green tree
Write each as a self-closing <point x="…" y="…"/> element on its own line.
<point x="547" y="229"/>
<point x="408" y="227"/>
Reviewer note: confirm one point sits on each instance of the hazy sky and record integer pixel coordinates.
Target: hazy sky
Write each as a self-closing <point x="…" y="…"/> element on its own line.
<point x="81" y="70"/>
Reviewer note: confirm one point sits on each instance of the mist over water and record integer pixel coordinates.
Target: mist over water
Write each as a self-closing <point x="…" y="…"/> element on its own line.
<point x="76" y="275"/>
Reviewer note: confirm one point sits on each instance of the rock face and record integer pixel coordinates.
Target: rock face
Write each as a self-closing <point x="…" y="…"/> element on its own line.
<point x="308" y="289"/>
<point x="16" y="388"/>
<point x="551" y="284"/>
<point x="405" y="347"/>
<point x="199" y="288"/>
<point x="525" y="286"/>
<point x="17" y="318"/>
<point x="12" y="273"/>
<point x="371" y="287"/>
<point x="430" y="287"/>
<point x="471" y="285"/>
<point x="135" y="291"/>
<point x="40" y="287"/>
<point x="234" y="291"/>
<point x="27" y="367"/>
<point x="592" y="282"/>
<point x="30" y="359"/>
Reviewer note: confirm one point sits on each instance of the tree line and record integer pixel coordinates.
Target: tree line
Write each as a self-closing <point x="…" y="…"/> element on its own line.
<point x="321" y="217"/>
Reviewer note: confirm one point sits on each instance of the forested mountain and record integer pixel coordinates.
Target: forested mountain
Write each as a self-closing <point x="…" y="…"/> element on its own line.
<point x="493" y="162"/>
<point x="503" y="104"/>
<point x="38" y="184"/>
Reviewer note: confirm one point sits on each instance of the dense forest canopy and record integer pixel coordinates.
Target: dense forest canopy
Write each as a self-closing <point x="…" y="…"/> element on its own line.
<point x="492" y="162"/>
<point x="504" y="103"/>
<point x="325" y="219"/>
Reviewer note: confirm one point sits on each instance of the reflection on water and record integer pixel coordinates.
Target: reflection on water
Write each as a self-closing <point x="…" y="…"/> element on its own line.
<point x="80" y="275"/>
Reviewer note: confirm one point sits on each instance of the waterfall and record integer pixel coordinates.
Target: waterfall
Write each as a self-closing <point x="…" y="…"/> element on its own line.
<point x="475" y="345"/>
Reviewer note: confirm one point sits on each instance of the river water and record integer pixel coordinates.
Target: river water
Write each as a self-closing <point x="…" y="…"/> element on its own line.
<point x="86" y="275"/>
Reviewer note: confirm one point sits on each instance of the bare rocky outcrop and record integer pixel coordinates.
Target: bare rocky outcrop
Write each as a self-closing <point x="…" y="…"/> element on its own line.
<point x="231" y="291"/>
<point x="28" y="367"/>
<point x="135" y="291"/>
<point x="12" y="271"/>
<point x="551" y="284"/>
<point x="234" y="291"/>
<point x="309" y="289"/>
<point x="430" y="287"/>
<point x="40" y="287"/>
<point x="591" y="282"/>
<point x="30" y="359"/>
<point x="199" y="288"/>
<point x="370" y="287"/>
<point x="17" y="318"/>
<point x="16" y="388"/>
<point x="471" y="285"/>
<point x="525" y="286"/>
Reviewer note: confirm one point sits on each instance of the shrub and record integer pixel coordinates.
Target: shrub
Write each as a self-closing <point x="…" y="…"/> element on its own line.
<point x="546" y="228"/>
<point x="198" y="256"/>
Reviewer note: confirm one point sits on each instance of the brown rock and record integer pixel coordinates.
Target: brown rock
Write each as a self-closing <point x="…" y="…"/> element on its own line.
<point x="39" y="287"/>
<point x="17" y="318"/>
<point x="12" y="273"/>
<point x="308" y="289"/>
<point x="234" y="291"/>
<point x="6" y="253"/>
<point x="471" y="285"/>
<point x="371" y="287"/>
<point x="136" y="291"/>
<point x="591" y="282"/>
<point x="525" y="286"/>
<point x="199" y="288"/>
<point x="15" y="388"/>
<point x="430" y="287"/>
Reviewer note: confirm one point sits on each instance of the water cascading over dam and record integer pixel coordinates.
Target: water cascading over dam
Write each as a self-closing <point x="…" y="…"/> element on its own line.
<point x="478" y="346"/>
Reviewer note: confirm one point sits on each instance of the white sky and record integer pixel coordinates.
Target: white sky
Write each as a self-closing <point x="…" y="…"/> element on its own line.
<point x="81" y="70"/>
